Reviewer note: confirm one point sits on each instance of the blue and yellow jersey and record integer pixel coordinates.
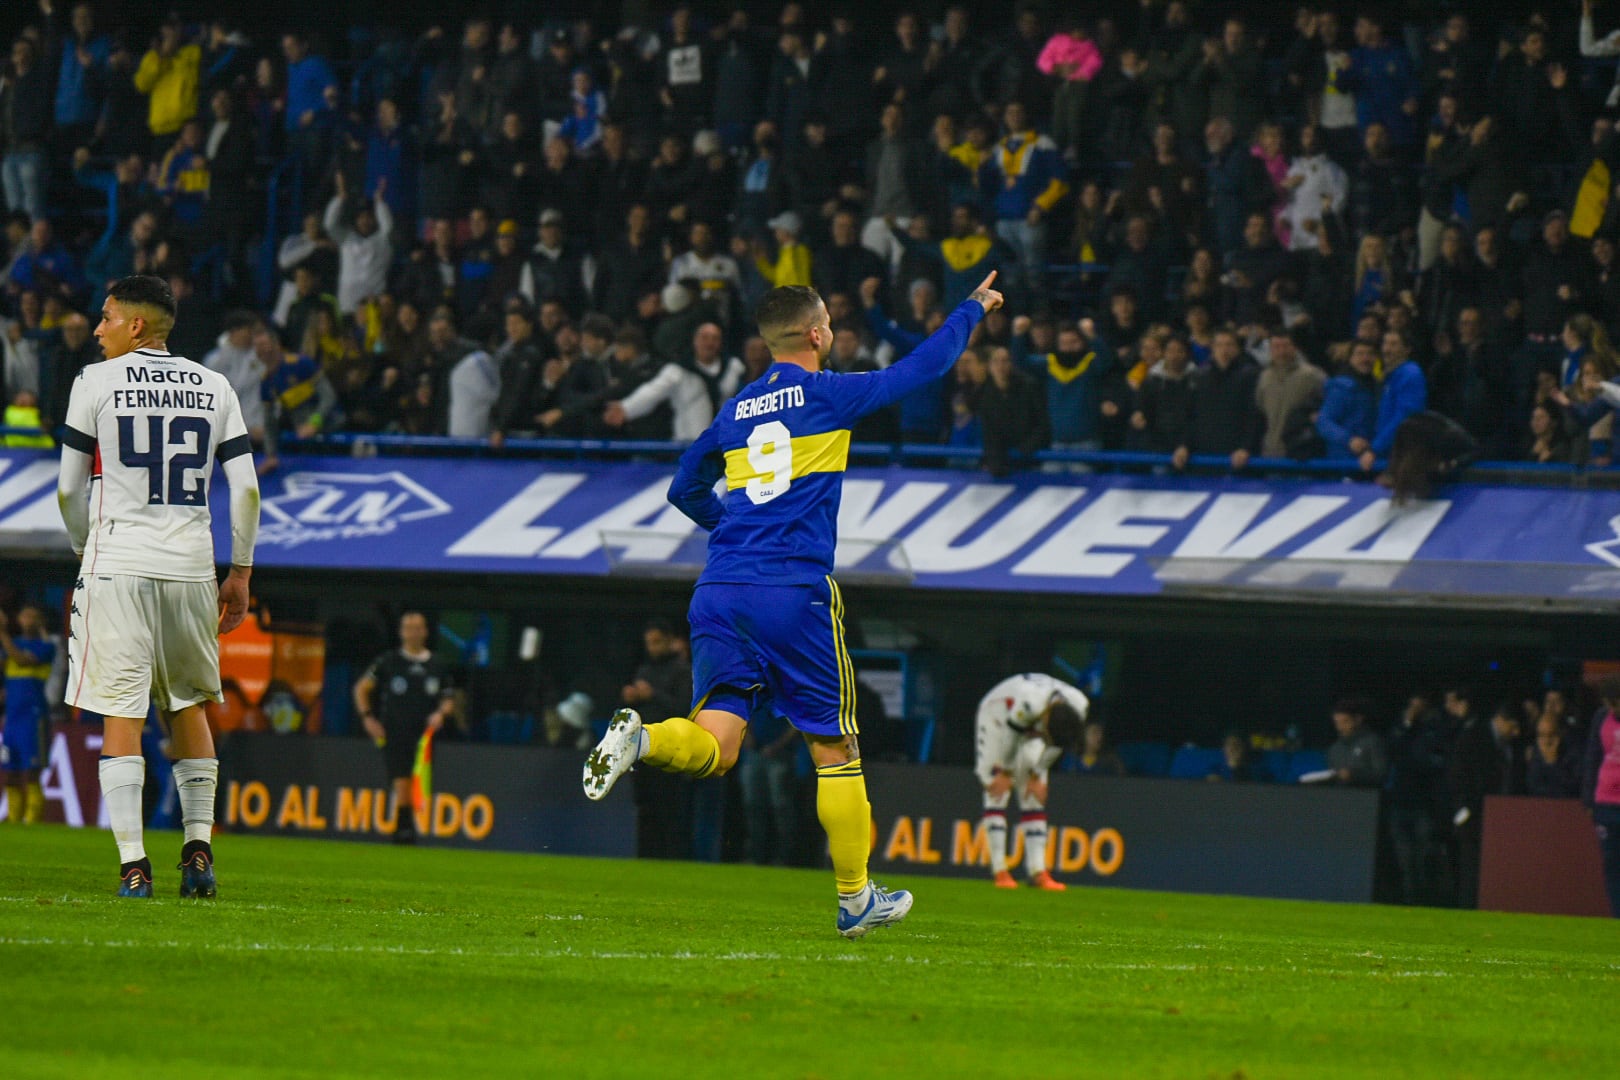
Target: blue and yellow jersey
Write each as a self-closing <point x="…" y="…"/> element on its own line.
<point x="782" y="445"/>
<point x="28" y="669"/>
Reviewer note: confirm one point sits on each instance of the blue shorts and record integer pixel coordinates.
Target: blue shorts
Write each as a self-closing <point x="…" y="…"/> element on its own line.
<point x="21" y="740"/>
<point x="784" y="641"/>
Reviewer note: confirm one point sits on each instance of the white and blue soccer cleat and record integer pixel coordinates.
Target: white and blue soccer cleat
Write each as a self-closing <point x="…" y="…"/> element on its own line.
<point x="615" y="755"/>
<point x="882" y="908"/>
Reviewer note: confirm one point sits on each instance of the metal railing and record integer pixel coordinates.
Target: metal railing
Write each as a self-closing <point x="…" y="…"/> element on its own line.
<point x="926" y="455"/>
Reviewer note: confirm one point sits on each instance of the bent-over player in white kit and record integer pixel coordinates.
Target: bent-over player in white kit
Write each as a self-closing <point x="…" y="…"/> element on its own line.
<point x="1025" y="724"/>
<point x="143" y="431"/>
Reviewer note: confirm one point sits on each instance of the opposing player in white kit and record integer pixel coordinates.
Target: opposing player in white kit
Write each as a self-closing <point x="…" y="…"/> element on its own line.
<point x="1025" y="724"/>
<point x="144" y="429"/>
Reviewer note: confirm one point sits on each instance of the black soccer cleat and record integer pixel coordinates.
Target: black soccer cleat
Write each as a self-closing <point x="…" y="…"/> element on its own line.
<point x="135" y="879"/>
<point x="197" y="871"/>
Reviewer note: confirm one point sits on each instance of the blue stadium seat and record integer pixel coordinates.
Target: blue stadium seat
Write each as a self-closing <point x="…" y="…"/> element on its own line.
<point x="1305" y="761"/>
<point x="1272" y="766"/>
<point x="1195" y="762"/>
<point x="1145" y="758"/>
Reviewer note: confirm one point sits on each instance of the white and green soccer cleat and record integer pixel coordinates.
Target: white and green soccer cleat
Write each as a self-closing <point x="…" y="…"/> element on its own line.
<point x="615" y="755"/>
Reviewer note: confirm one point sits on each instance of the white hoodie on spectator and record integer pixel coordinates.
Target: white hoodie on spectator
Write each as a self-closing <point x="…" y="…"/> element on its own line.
<point x="1319" y="176"/>
<point x="687" y="395"/>
<point x="246" y="373"/>
<point x="362" y="260"/>
<point x="475" y="385"/>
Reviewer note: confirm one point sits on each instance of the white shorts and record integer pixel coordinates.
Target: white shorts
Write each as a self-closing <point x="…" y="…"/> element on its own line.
<point x="1027" y="762"/>
<point x="134" y="641"/>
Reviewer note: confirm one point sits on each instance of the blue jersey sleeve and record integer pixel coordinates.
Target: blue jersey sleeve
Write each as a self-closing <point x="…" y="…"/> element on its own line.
<point x="854" y="396"/>
<point x="692" y="490"/>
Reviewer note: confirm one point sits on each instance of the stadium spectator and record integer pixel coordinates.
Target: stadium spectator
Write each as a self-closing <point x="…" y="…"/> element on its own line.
<point x="765" y="772"/>
<point x="1316" y="187"/>
<point x="1553" y="762"/>
<point x="297" y="396"/>
<point x="1224" y="417"/>
<point x="1030" y="180"/>
<point x="1235" y="765"/>
<point x="1095" y="757"/>
<point x="63" y="357"/>
<point x="168" y="76"/>
<point x="1289" y="393"/>
<point x="25" y="128"/>
<point x="46" y="266"/>
<point x="364" y="250"/>
<point x="1382" y="78"/>
<point x="662" y="686"/>
<point x="1348" y="418"/>
<point x="1600" y="784"/>
<point x="79" y="58"/>
<point x="235" y="358"/>
<point x="311" y="94"/>
<point x="1412" y="799"/>
<point x="1359" y="757"/>
<point x="1011" y="411"/>
<point x="1485" y="760"/>
<point x="1405" y="394"/>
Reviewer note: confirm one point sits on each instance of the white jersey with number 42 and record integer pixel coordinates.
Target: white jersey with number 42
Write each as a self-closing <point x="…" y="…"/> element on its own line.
<point x="157" y="424"/>
<point x="1007" y="715"/>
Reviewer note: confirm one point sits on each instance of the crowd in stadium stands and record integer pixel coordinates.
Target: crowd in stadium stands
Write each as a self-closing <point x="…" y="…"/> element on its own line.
<point x="1219" y="236"/>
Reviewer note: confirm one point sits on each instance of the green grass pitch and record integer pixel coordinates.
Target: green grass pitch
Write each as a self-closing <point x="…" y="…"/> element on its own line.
<point x="329" y="959"/>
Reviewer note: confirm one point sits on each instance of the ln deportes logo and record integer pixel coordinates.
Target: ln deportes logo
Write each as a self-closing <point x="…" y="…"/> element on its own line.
<point x="344" y="506"/>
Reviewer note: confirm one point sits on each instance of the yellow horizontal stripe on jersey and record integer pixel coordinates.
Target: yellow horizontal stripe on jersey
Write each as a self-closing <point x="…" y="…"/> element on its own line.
<point x="828" y="452"/>
<point x="17" y="669"/>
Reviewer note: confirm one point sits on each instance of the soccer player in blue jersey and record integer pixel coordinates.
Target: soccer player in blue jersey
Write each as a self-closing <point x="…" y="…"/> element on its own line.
<point x="28" y="657"/>
<point x="766" y="616"/>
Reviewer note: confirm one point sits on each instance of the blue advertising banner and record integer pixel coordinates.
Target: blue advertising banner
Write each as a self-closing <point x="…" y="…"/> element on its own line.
<point x="944" y="528"/>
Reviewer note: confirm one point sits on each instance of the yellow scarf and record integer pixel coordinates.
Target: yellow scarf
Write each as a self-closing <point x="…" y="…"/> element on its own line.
<point x="1067" y="375"/>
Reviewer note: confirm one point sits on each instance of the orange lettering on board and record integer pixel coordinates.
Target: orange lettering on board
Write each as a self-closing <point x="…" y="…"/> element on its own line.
<point x="902" y="842"/>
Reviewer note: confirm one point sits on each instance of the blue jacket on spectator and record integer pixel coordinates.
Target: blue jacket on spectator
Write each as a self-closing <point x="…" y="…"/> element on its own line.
<point x="389" y="157"/>
<point x="307" y="81"/>
<point x="1037" y="173"/>
<point x="1383" y="80"/>
<point x="1073" y="390"/>
<point x="55" y="265"/>
<point x="922" y="412"/>
<point x="1349" y="409"/>
<point x="1406" y="392"/>
<point x="79" y="88"/>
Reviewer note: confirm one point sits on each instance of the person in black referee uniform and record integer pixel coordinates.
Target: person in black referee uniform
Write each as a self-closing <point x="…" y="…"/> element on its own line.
<point x="405" y="692"/>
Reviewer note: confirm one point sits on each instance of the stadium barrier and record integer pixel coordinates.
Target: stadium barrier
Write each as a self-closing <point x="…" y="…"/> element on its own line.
<point x="1540" y="856"/>
<point x="929" y="528"/>
<point x="510" y="798"/>
<point x="1239" y="839"/>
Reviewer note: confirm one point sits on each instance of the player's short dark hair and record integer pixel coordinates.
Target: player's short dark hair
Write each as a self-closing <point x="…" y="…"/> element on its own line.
<point x="1063" y="724"/>
<point x="1608" y="688"/>
<point x="784" y="309"/>
<point x="148" y="290"/>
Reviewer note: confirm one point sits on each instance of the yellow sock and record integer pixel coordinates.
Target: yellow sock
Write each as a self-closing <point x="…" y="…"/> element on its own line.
<point x="679" y="746"/>
<point x="16" y="803"/>
<point x="35" y="806"/>
<point x="847" y="816"/>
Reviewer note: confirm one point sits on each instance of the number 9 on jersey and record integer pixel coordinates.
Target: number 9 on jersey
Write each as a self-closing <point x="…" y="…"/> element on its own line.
<point x="770" y="455"/>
